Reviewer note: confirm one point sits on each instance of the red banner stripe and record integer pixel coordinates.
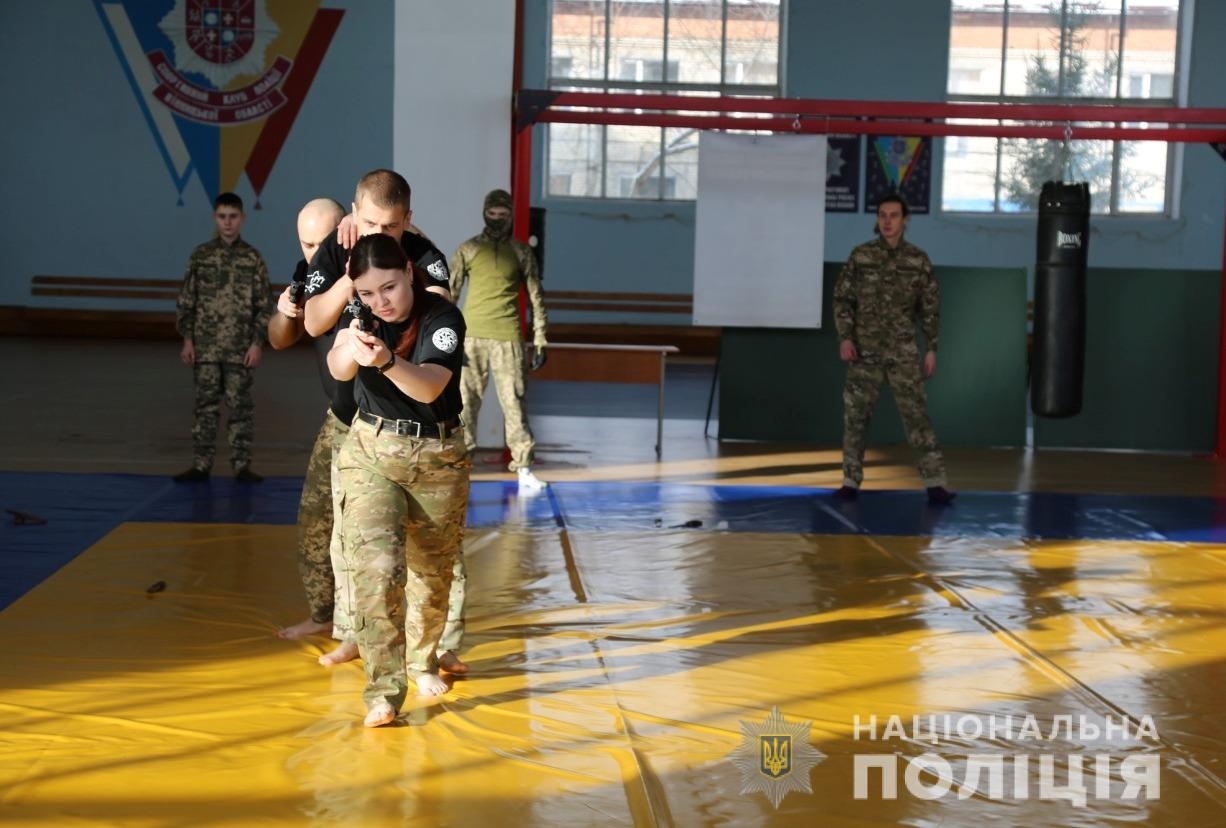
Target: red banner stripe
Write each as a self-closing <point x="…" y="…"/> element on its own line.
<point x="297" y="84"/>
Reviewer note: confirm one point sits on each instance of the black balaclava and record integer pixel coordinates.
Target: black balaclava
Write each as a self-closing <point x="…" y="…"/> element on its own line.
<point x="497" y="229"/>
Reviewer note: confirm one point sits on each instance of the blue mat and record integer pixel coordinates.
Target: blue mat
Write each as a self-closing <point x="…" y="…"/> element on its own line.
<point x="80" y="509"/>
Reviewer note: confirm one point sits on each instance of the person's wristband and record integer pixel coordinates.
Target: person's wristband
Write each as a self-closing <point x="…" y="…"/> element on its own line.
<point x="384" y="369"/>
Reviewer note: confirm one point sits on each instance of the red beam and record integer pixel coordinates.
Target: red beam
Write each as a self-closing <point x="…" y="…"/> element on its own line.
<point x="521" y="201"/>
<point x="1220" y="452"/>
<point x="521" y="184"/>
<point x="890" y="127"/>
<point x="894" y="109"/>
<point x="1046" y="121"/>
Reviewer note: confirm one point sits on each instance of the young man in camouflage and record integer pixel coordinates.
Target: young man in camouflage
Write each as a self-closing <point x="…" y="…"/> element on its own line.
<point x="494" y="265"/>
<point x="223" y="312"/>
<point x="886" y="287"/>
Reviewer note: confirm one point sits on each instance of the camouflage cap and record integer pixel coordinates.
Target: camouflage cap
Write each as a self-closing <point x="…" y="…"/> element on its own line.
<point x="497" y="198"/>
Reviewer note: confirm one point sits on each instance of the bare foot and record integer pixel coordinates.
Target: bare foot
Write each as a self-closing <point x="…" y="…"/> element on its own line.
<point x="450" y="662"/>
<point x="304" y="628"/>
<point x="382" y="713"/>
<point x="431" y="685"/>
<point x="347" y="651"/>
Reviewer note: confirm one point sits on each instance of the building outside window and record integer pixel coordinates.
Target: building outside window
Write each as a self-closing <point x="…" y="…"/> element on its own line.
<point x="1123" y="52"/>
<point x="679" y="47"/>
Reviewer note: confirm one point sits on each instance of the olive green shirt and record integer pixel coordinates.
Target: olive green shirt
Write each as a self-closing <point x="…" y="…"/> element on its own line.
<point x="493" y="271"/>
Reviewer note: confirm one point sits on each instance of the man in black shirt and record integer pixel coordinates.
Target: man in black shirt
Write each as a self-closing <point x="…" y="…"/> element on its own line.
<point x="404" y="477"/>
<point x="317" y="222"/>
<point x="381" y="204"/>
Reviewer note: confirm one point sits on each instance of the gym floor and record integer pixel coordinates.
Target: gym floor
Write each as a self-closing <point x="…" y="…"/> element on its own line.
<point x="1046" y="651"/>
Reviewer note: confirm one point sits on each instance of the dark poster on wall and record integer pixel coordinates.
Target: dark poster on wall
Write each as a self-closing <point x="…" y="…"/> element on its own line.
<point x="842" y="173"/>
<point x="898" y="164"/>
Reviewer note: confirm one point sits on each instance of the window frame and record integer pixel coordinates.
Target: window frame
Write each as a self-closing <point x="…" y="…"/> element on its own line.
<point x="664" y="86"/>
<point x="1178" y="97"/>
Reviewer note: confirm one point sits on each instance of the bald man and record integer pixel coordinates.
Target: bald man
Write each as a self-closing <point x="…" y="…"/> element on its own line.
<point x="316" y="222"/>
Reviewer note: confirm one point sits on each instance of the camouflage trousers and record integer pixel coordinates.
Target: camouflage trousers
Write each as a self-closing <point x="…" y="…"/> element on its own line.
<point x="315" y="520"/>
<point x="402" y="508"/>
<point x="341" y="607"/>
<point x="860" y="393"/>
<point x="213" y="381"/>
<point x="453" y="629"/>
<point x="505" y="361"/>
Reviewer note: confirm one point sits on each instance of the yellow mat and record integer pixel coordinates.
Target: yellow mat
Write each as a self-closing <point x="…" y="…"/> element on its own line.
<point x="628" y="680"/>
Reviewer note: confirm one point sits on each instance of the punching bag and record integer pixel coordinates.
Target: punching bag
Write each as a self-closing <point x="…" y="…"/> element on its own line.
<point x="1058" y="362"/>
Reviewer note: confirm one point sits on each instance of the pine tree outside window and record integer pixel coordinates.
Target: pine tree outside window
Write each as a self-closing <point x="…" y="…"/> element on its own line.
<point x="1123" y="52"/>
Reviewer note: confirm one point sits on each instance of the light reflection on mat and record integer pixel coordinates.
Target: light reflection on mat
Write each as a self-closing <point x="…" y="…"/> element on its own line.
<point x="82" y="508"/>
<point x="614" y="664"/>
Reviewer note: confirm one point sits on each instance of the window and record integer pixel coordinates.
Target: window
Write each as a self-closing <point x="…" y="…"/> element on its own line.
<point x="1068" y="51"/>
<point x="679" y="47"/>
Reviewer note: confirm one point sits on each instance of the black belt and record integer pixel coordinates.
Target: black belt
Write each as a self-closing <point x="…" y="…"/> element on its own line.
<point x="411" y="428"/>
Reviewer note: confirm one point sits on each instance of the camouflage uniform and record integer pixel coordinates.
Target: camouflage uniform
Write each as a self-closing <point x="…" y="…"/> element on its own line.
<point x="315" y="524"/>
<point x="493" y="268"/>
<point x="320" y="504"/>
<point x="881" y="294"/>
<point x="340" y="609"/>
<point x="223" y="309"/>
<point x="403" y="502"/>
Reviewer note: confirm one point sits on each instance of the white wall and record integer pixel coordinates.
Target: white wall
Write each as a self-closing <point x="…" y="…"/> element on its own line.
<point x="451" y="123"/>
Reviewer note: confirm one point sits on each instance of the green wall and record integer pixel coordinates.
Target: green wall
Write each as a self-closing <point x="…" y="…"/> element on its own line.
<point x="787" y="384"/>
<point x="1151" y="363"/>
<point x="1150" y="378"/>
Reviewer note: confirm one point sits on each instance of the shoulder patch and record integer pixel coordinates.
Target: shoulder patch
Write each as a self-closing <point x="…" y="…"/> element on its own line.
<point x="445" y="340"/>
<point x="438" y="270"/>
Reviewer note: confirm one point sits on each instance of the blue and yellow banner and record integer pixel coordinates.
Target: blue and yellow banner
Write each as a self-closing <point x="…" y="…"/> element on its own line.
<point x="220" y="82"/>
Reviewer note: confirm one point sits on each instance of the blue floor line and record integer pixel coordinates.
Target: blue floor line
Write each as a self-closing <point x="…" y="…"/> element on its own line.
<point x="81" y="508"/>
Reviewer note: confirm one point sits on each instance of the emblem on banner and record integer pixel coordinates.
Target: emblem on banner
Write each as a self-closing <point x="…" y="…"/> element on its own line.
<point x="220" y="82"/>
<point x="899" y="165"/>
<point x="775" y="757"/>
<point x="219" y="40"/>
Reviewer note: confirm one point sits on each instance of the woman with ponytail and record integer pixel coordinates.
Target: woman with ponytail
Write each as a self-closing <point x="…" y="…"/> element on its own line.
<point x="403" y="475"/>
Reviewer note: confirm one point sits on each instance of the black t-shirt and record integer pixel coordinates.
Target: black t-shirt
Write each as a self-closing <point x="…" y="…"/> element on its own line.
<point x="440" y="341"/>
<point x="326" y="267"/>
<point x="322" y="344"/>
<point x="328" y="263"/>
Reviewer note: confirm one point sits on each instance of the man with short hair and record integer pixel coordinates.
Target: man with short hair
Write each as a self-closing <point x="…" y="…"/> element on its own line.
<point x="381" y="204"/>
<point x="884" y="290"/>
<point x="222" y="315"/>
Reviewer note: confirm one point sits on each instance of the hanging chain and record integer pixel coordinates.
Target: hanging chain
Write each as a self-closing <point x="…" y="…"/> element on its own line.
<point x="1066" y="153"/>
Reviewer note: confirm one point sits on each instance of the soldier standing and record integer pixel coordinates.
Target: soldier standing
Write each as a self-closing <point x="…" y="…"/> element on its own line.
<point x="382" y="203"/>
<point x="403" y="471"/>
<point x="886" y="287"/>
<point x="316" y="223"/>
<point x="494" y="265"/>
<point x="222" y="314"/>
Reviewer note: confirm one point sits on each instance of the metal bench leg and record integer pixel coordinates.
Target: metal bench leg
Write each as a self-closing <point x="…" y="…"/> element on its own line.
<point x="660" y="409"/>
